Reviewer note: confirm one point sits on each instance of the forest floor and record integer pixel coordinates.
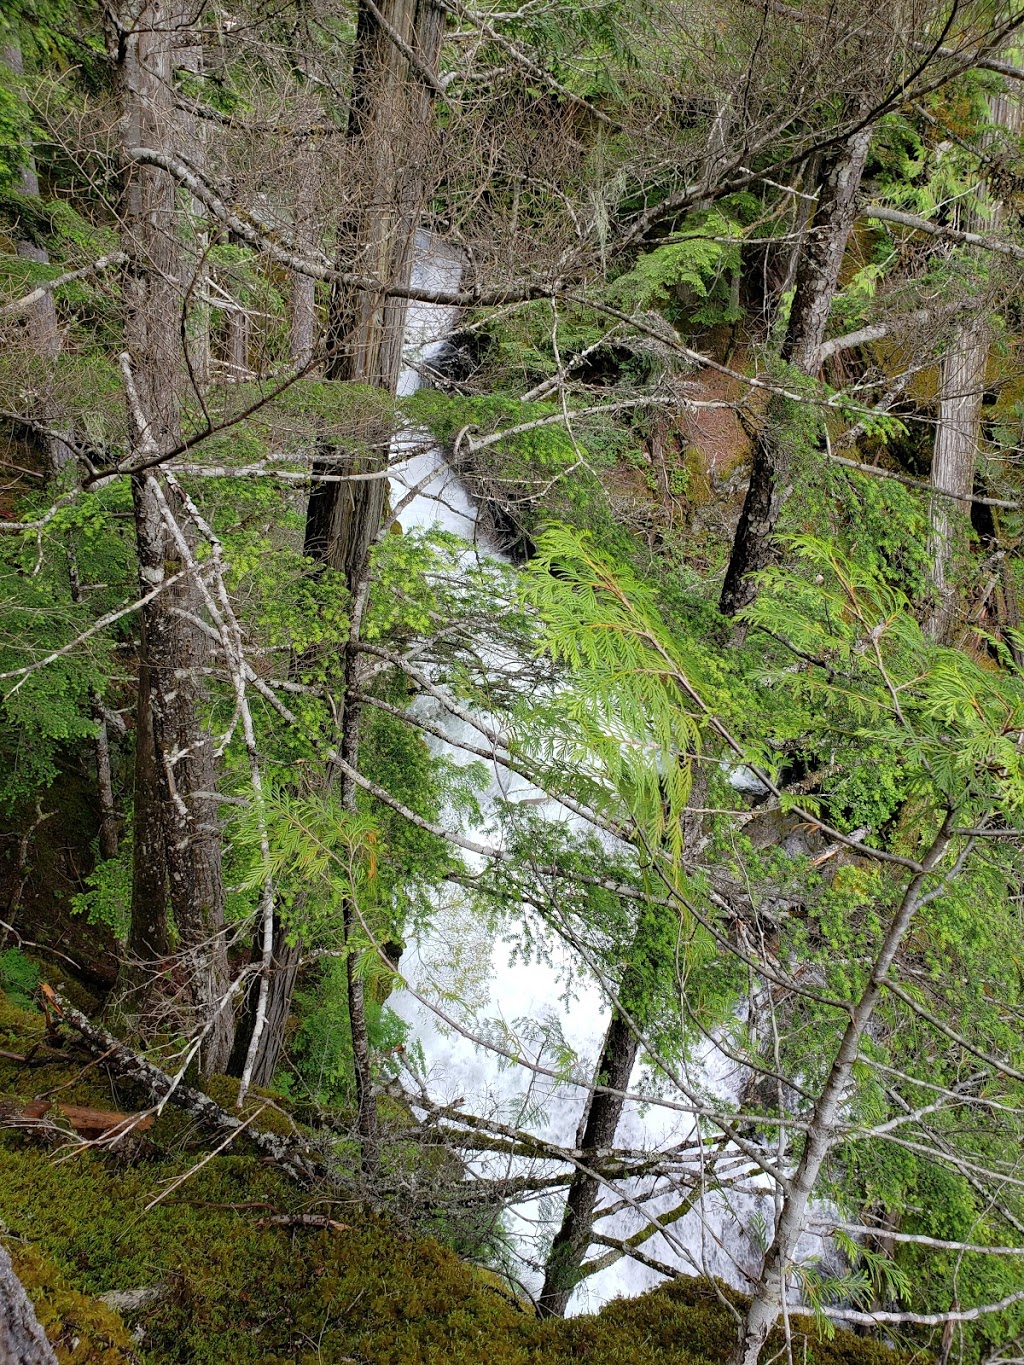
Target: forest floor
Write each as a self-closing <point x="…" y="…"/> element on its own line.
<point x="228" y="1284"/>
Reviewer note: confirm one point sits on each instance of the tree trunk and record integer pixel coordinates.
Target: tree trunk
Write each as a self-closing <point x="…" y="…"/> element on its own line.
<point x="284" y="971"/>
<point x="192" y="137"/>
<point x="817" y="278"/>
<point x="237" y="348"/>
<point x="600" y="1119"/>
<point x="803" y="212"/>
<point x="105" y="785"/>
<point x="42" y="332"/>
<point x="953" y="460"/>
<point x="302" y="329"/>
<point x="177" y="853"/>
<point x="595" y="1136"/>
<point x="22" y="1339"/>
<point x="388" y="132"/>
<point x="961" y="391"/>
<point x="388" y="124"/>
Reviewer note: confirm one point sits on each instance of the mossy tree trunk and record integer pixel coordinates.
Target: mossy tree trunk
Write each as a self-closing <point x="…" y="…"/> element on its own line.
<point x="961" y="393"/>
<point x="177" y="842"/>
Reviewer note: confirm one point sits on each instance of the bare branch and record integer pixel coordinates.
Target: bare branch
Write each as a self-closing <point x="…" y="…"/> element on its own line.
<point x="40" y="292"/>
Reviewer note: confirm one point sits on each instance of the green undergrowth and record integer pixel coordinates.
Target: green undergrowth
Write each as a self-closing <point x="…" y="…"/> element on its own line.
<point x="238" y="1289"/>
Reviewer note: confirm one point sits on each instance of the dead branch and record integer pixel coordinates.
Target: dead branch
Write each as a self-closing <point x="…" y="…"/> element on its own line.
<point x="29" y="300"/>
<point x="294" y="1156"/>
<point x="911" y="220"/>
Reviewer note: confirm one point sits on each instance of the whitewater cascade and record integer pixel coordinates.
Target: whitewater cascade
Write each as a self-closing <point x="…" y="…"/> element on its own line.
<point x="716" y="1237"/>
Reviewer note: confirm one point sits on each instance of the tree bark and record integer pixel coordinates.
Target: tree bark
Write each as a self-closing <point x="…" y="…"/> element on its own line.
<point x="962" y="386"/>
<point x="105" y="785"/>
<point x="177" y="852"/>
<point x="599" y="1122"/>
<point x="22" y="1339"/>
<point x="389" y="136"/>
<point x="388" y="133"/>
<point x="284" y="971"/>
<point x="817" y="278"/>
<point x="237" y="348"/>
<point x="594" y="1138"/>
<point x="302" y="329"/>
<point x="961" y="392"/>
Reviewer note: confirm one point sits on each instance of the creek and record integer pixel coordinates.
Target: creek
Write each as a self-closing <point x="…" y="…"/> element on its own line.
<point x="552" y="994"/>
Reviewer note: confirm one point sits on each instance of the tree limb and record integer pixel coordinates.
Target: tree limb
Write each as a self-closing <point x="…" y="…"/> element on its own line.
<point x="883" y="214"/>
<point x="29" y="300"/>
<point x="294" y="1156"/>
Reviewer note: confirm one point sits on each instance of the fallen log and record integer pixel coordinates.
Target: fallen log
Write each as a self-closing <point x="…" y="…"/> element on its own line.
<point x="297" y="1158"/>
<point x="103" y="1123"/>
<point x="93" y="1125"/>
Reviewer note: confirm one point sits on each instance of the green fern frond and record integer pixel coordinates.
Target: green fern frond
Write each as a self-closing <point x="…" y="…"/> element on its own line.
<point x="628" y="716"/>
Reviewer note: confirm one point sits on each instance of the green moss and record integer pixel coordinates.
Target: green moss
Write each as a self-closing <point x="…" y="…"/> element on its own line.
<point x="243" y="1291"/>
<point x="19" y="1021"/>
<point x="271" y="1107"/>
<point x="19" y="977"/>
<point x="83" y="1331"/>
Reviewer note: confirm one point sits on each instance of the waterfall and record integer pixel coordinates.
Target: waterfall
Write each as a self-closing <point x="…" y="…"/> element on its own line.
<point x="552" y="990"/>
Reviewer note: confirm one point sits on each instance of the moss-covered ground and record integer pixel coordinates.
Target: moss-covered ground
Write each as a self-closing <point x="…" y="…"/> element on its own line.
<point x="238" y="1290"/>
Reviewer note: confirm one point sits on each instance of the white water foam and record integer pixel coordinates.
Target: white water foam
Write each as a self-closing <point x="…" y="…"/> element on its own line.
<point x="505" y="997"/>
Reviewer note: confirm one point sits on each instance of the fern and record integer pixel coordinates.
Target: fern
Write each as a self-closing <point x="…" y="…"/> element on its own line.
<point x="698" y="259"/>
<point x="628" y="715"/>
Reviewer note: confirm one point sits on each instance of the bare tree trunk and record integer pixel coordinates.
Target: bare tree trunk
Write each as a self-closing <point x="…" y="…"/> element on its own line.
<point x="22" y="1339"/>
<point x="602" y="1112"/>
<point x="962" y="389"/>
<point x="177" y="853"/>
<point x="389" y="122"/>
<point x="238" y="342"/>
<point x="284" y="971"/>
<point x="302" y="330"/>
<point x="595" y="1136"/>
<point x="803" y="213"/>
<point x="817" y="279"/>
<point x="192" y="136"/>
<point x="105" y="784"/>
<point x="388" y="130"/>
<point x="953" y="461"/>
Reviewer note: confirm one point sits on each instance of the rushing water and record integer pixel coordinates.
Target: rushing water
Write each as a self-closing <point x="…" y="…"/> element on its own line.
<point x="502" y="994"/>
